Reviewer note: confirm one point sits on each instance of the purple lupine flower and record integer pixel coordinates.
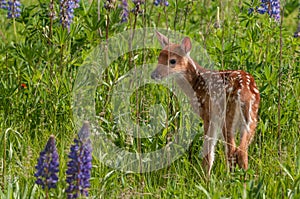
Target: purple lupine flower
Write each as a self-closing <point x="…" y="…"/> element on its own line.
<point x="275" y="10"/>
<point x="250" y="11"/>
<point x="47" y="166"/>
<point x="158" y="2"/>
<point x="262" y="9"/>
<point x="67" y="12"/>
<point x="80" y="164"/>
<point x="272" y="7"/>
<point x="3" y="4"/>
<point x="125" y="12"/>
<point x="14" y="10"/>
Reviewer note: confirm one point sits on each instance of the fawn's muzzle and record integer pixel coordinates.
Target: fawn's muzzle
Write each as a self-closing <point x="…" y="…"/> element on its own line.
<point x="155" y="75"/>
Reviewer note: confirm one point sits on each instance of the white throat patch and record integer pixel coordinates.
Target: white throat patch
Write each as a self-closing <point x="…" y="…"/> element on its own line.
<point x="192" y="61"/>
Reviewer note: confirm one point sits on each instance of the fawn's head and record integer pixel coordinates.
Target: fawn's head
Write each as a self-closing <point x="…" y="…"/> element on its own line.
<point x="173" y="59"/>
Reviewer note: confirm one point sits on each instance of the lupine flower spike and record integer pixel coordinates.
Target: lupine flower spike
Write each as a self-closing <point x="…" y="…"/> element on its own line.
<point x="67" y="12"/>
<point x="48" y="166"/>
<point x="14" y="9"/>
<point x="80" y="164"/>
<point x="272" y="7"/>
<point x="125" y="13"/>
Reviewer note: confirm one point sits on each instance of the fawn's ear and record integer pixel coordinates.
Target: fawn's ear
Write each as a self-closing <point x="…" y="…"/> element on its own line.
<point x="163" y="40"/>
<point x="186" y="45"/>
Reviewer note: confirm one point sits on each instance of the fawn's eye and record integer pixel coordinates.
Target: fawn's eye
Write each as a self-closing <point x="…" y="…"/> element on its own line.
<point x="172" y="61"/>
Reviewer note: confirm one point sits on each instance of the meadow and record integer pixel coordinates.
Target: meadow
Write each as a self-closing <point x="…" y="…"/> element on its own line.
<point x="41" y="60"/>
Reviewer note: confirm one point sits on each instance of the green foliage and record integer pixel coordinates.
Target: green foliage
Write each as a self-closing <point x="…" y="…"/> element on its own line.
<point x="38" y="68"/>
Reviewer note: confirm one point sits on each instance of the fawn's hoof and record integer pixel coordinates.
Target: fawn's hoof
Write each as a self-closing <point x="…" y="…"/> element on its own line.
<point x="242" y="159"/>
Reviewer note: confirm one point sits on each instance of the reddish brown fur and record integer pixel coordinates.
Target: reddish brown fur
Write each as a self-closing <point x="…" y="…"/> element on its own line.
<point x="236" y="86"/>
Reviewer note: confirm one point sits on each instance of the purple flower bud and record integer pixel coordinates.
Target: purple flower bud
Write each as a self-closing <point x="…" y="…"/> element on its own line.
<point x="48" y="165"/>
<point x="250" y="11"/>
<point x="80" y="164"/>
<point x="262" y="9"/>
<point x="158" y="2"/>
<point x="3" y="4"/>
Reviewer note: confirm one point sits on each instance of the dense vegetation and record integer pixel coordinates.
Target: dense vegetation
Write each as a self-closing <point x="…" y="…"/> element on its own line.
<point x="40" y="57"/>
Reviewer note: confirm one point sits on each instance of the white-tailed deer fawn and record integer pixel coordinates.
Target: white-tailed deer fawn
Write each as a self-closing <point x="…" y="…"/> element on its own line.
<point x="227" y="100"/>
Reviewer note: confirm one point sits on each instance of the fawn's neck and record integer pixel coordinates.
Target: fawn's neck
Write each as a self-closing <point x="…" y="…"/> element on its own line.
<point x="193" y="71"/>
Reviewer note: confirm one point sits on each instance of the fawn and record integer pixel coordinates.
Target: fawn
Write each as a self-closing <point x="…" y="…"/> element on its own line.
<point x="226" y="100"/>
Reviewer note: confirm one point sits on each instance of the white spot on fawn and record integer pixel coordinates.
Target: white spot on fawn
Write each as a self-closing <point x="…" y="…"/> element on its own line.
<point x="255" y="90"/>
<point x="247" y="81"/>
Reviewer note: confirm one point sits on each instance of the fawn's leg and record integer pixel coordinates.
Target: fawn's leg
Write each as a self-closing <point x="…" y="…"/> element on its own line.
<point x="232" y="119"/>
<point x="210" y="139"/>
<point x="228" y="133"/>
<point x="242" y="150"/>
<point x="247" y="133"/>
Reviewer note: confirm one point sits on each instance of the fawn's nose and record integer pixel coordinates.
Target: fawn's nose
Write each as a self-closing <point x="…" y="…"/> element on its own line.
<point x="154" y="75"/>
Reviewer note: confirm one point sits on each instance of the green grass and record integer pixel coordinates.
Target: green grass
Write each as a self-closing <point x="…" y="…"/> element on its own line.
<point x="28" y="116"/>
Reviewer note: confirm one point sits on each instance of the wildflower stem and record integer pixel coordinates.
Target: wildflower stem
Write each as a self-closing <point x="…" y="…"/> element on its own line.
<point x="279" y="90"/>
<point x="4" y="158"/>
<point x="99" y="16"/>
<point x="149" y="15"/>
<point x="107" y="25"/>
<point x="15" y="29"/>
<point x="176" y="14"/>
<point x="218" y="14"/>
<point x="186" y="10"/>
<point x="47" y="193"/>
<point x="61" y="58"/>
<point x="223" y="32"/>
<point x="132" y="62"/>
<point x="134" y="26"/>
<point x="166" y="15"/>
